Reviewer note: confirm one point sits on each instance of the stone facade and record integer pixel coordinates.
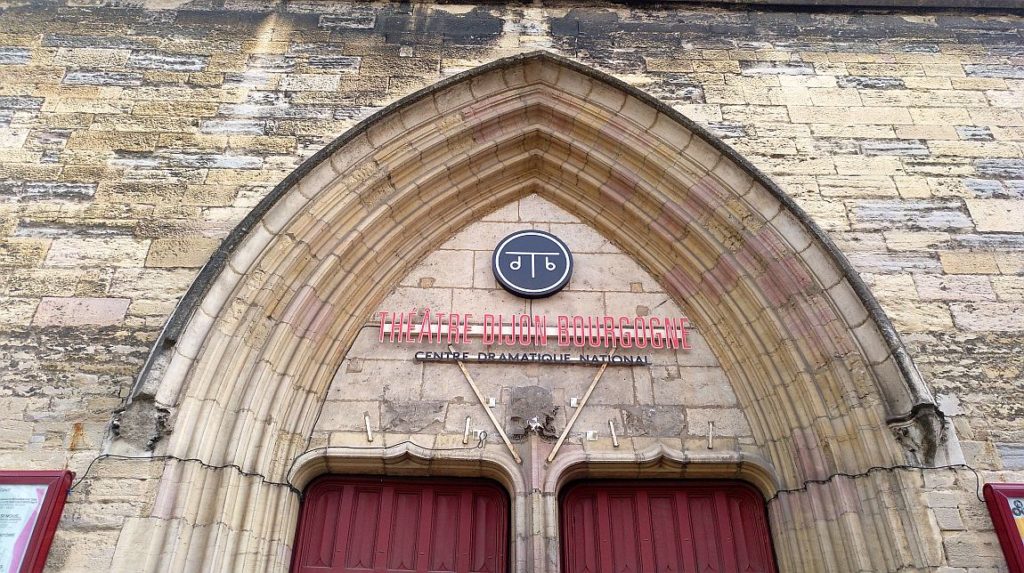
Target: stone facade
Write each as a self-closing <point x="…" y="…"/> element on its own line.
<point x="135" y="137"/>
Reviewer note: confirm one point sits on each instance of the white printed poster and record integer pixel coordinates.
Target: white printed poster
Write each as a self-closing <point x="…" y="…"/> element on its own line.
<point x="19" y="510"/>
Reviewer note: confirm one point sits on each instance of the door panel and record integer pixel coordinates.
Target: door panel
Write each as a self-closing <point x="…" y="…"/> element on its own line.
<point x="362" y="525"/>
<point x="664" y="527"/>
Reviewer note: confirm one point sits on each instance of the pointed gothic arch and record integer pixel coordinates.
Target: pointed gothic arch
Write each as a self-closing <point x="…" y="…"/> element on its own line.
<point x="247" y="357"/>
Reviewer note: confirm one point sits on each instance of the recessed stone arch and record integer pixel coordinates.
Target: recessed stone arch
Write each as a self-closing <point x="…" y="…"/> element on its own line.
<point x="247" y="358"/>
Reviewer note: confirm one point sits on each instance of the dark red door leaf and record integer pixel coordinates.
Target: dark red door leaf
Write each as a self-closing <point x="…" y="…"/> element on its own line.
<point x="384" y="525"/>
<point x="664" y="527"/>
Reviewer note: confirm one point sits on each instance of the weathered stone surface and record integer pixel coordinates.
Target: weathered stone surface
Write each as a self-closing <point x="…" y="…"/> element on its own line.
<point x="991" y="317"/>
<point x="22" y="252"/>
<point x="915" y="316"/>
<point x="870" y="82"/>
<point x="184" y="252"/>
<point x="1000" y="168"/>
<point x="46" y="190"/>
<point x="70" y="311"/>
<point x="961" y="287"/>
<point x="109" y="252"/>
<point x="876" y="123"/>
<point x="166" y="61"/>
<point x="412" y="416"/>
<point x="14" y="56"/>
<point x="653" y="421"/>
<point x="924" y="215"/>
<point x="994" y="71"/>
<point x="103" y="78"/>
<point x="997" y="215"/>
<point x="728" y="422"/>
<point x="973" y="550"/>
<point x="532" y="411"/>
<point x="968" y="263"/>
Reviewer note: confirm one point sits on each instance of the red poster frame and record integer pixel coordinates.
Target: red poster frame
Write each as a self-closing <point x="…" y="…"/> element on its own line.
<point x="57" y="484"/>
<point x="1011" y="536"/>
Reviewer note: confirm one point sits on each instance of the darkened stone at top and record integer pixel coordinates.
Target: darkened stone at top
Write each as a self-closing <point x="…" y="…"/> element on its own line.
<point x="477" y="25"/>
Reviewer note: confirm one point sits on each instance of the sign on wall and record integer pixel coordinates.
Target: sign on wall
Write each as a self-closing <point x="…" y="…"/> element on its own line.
<point x="31" y="503"/>
<point x="1005" y="503"/>
<point x="532" y="264"/>
<point x="428" y="327"/>
<point x="518" y="338"/>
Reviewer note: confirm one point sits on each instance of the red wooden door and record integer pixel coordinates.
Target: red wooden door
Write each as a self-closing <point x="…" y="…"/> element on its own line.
<point x="383" y="525"/>
<point x="664" y="527"/>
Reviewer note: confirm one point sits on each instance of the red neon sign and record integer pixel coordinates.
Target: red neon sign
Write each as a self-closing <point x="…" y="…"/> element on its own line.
<point x="577" y="331"/>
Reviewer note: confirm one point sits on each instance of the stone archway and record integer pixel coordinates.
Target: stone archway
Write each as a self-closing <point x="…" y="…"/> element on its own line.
<point x="248" y="356"/>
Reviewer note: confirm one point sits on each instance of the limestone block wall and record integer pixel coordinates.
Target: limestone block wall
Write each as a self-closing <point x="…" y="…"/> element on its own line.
<point x="134" y="136"/>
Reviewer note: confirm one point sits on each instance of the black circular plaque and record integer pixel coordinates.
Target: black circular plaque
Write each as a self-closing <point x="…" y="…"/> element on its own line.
<point x="532" y="264"/>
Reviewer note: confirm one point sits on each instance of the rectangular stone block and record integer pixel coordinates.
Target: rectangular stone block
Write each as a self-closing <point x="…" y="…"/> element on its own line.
<point x="975" y="133"/>
<point x="167" y="61"/>
<point x="12" y="137"/>
<point x="234" y="126"/>
<point x="997" y="215"/>
<point x="150" y="284"/>
<point x="870" y="82"/>
<point x="949" y="519"/>
<point x="994" y="317"/>
<point x="902" y="147"/>
<point x="1012" y="455"/>
<point x="973" y="550"/>
<point x="19" y="252"/>
<point x="112" y="140"/>
<point x="702" y="386"/>
<point x="21" y="103"/>
<point x="966" y="263"/>
<point x="46" y="191"/>
<point x="996" y="116"/>
<point x="103" y="78"/>
<point x="17" y="312"/>
<point x="445" y="268"/>
<point x="176" y="92"/>
<point x="729" y="422"/>
<point x="912" y="316"/>
<point x="1000" y="168"/>
<point x="176" y="108"/>
<point x="851" y="115"/>
<point x="181" y="252"/>
<point x="108" y="251"/>
<point x="263" y="144"/>
<point x="940" y="116"/>
<point x="749" y="68"/>
<point x="930" y="215"/>
<point x="72" y="311"/>
<point x="355" y="18"/>
<point x="91" y="57"/>
<point x="956" y="287"/>
<point x="12" y="56"/>
<point x="1010" y="263"/>
<point x="1009" y="288"/>
<point x="608" y="272"/>
<point x="994" y="71"/>
<point x="337" y="63"/>
<point x="193" y="141"/>
<point x="857" y="186"/>
<point x="310" y="82"/>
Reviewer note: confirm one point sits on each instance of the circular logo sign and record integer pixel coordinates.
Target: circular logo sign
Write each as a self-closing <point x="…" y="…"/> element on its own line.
<point x="532" y="264"/>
